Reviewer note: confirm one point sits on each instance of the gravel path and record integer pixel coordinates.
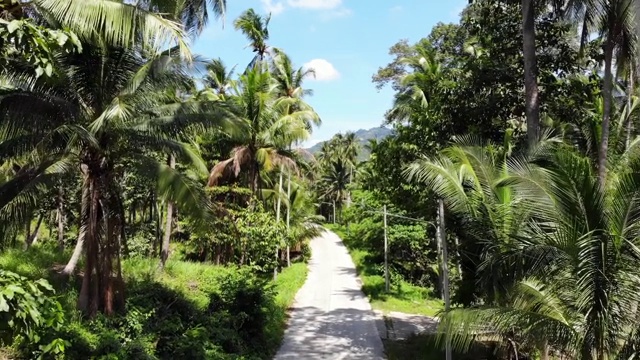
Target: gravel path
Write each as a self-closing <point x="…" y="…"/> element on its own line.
<point x="331" y="318"/>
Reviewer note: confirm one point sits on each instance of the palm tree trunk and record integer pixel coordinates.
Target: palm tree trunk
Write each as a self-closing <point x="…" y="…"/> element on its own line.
<point x="84" y="216"/>
<point x="544" y="351"/>
<point x="33" y="237"/>
<point x="629" y="103"/>
<point x="288" y="216"/>
<point x="61" y="218"/>
<point x="89" y="289"/>
<point x="167" y="225"/>
<point x="532" y="101"/>
<point x="275" y="269"/>
<point x="102" y="288"/>
<point x="607" y="92"/>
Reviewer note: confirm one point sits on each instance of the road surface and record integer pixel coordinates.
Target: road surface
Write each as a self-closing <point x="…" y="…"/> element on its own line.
<point x="331" y="318"/>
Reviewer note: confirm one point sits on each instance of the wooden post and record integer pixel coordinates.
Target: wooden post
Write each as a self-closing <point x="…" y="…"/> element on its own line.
<point x="386" y="251"/>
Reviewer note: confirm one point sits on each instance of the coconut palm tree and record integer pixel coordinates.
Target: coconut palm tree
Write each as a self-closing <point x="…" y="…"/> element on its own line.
<point x="256" y="28"/>
<point x="333" y="185"/>
<point x="471" y="177"/>
<point x="290" y="80"/>
<point x="192" y="14"/>
<point x="615" y="20"/>
<point x="94" y="121"/>
<point x="218" y="78"/>
<point x="571" y="266"/>
<point x="112" y="22"/>
<point x="270" y="126"/>
<point x="302" y="221"/>
<point x="418" y="86"/>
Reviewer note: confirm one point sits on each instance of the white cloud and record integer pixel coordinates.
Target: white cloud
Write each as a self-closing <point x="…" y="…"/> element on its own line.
<point x="315" y="4"/>
<point x="325" y="71"/>
<point x="336" y="14"/>
<point x="272" y="7"/>
<point x="396" y="9"/>
<point x="329" y="9"/>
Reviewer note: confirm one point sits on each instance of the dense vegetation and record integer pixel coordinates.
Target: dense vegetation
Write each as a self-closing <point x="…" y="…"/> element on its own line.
<point x="523" y="119"/>
<point x="148" y="197"/>
<point x="142" y="201"/>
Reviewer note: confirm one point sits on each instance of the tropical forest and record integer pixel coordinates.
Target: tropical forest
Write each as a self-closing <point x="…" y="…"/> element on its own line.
<point x="160" y="203"/>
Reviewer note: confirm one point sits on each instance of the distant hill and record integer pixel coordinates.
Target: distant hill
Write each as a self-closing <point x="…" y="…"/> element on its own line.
<point x="363" y="136"/>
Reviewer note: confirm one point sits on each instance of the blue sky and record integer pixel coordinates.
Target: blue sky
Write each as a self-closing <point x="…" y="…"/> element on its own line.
<point x="344" y="40"/>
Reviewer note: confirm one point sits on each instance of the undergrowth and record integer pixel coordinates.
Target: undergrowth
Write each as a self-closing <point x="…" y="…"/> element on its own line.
<point x="188" y="311"/>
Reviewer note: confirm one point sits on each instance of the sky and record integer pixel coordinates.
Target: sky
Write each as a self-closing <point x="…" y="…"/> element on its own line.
<point x="345" y="41"/>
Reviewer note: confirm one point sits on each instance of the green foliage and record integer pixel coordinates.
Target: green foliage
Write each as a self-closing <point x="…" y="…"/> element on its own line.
<point x="412" y="257"/>
<point x="188" y="310"/>
<point x="243" y="236"/>
<point x="36" y="44"/>
<point x="29" y="316"/>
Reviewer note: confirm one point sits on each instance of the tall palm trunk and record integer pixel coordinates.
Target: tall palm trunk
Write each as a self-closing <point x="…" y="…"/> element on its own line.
<point x="532" y="101"/>
<point x="607" y="91"/>
<point x="629" y="124"/>
<point x="61" y="218"/>
<point x="288" y="216"/>
<point x="84" y="214"/>
<point x="167" y="225"/>
<point x="102" y="287"/>
<point x="33" y="237"/>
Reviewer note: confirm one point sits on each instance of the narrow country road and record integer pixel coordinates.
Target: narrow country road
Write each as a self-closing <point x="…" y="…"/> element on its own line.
<point x="331" y="318"/>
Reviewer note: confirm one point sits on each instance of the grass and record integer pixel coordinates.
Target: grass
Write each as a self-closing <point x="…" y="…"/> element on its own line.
<point x="192" y="282"/>
<point x="402" y="296"/>
<point x="289" y="281"/>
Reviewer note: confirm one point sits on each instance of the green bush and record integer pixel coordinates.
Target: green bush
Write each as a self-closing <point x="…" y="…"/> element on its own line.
<point x="189" y="310"/>
<point x="30" y="317"/>
<point x="241" y="236"/>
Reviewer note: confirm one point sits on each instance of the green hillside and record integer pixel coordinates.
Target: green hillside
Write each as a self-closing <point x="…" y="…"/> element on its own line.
<point x="363" y="135"/>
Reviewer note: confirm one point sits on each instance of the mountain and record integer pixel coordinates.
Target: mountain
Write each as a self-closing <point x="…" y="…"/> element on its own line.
<point x="363" y="136"/>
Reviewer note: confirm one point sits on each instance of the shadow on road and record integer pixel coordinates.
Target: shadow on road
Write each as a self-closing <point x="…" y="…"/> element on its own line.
<point x="338" y="334"/>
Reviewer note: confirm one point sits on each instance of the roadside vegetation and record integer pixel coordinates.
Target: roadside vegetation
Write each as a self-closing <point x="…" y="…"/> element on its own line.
<point x="156" y="205"/>
<point x="145" y="208"/>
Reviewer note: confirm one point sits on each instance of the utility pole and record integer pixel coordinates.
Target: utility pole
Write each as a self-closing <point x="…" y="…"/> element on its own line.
<point x="279" y="200"/>
<point x="445" y="271"/>
<point x="288" y="215"/>
<point x="386" y="251"/>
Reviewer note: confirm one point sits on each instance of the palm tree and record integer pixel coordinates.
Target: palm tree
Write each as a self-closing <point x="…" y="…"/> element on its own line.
<point x="471" y="178"/>
<point x="288" y="79"/>
<point x="302" y="222"/>
<point x="218" y="78"/>
<point x="333" y="184"/>
<point x="270" y="126"/>
<point x="193" y="14"/>
<point x="93" y="121"/>
<point x="570" y="263"/>
<point x="419" y="87"/>
<point x="256" y="28"/>
<point x="614" y="19"/>
<point x="112" y="22"/>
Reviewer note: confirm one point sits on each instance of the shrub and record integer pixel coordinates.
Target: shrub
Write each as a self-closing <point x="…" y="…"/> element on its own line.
<point x="30" y="317"/>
